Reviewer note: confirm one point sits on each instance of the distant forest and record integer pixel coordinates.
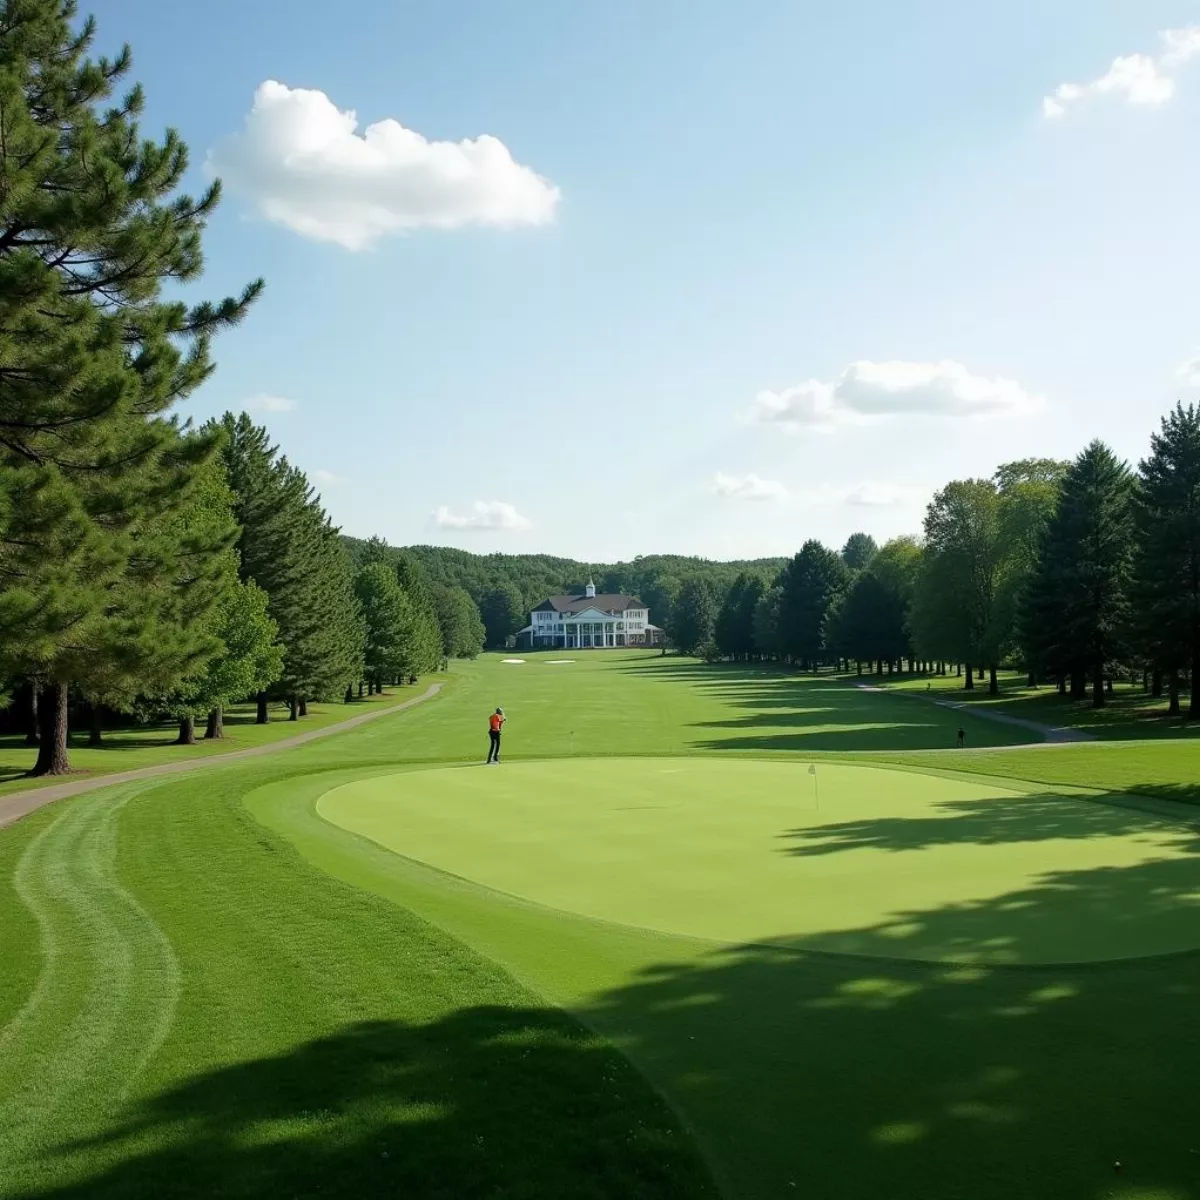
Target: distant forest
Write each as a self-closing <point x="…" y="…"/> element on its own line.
<point x="507" y="586"/>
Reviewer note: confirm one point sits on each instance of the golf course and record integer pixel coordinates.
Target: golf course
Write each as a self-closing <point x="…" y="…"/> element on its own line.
<point x="705" y="931"/>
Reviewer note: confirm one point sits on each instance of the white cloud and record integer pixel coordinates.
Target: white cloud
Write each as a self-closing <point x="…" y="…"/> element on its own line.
<point x="884" y="495"/>
<point x="326" y="477"/>
<point x="270" y="404"/>
<point x="748" y="487"/>
<point x="1189" y="372"/>
<point x="305" y="165"/>
<point x="484" y="515"/>
<point x="1139" y="78"/>
<point x="867" y="392"/>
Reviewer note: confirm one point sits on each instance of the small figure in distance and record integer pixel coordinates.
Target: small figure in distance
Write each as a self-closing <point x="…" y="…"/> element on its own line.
<point x="962" y="737"/>
<point x="495" y="725"/>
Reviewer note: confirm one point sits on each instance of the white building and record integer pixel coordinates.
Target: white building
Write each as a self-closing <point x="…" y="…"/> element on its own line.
<point x="589" y="622"/>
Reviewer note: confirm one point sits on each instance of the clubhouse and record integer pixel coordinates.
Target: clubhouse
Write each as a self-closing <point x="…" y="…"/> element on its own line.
<point x="589" y="622"/>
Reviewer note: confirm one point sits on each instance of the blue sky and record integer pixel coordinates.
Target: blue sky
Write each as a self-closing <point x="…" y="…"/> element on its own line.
<point x="739" y="274"/>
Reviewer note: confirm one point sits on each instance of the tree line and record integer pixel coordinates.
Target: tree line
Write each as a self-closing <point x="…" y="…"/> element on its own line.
<point x="147" y="566"/>
<point x="507" y="587"/>
<point x="1075" y="572"/>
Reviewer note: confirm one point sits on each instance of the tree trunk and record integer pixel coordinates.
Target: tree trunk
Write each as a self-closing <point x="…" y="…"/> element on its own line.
<point x="264" y="713"/>
<point x="360" y="689"/>
<point x="31" y="735"/>
<point x="1172" y="691"/>
<point x="993" y="685"/>
<point x="187" y="731"/>
<point x="53" y="757"/>
<point x="1108" y="686"/>
<point x="858" y="668"/>
<point x="293" y="708"/>
<point x="216" y="724"/>
<point x="303" y="707"/>
<point x="1098" y="700"/>
<point x="1194" y="702"/>
<point x="958" y="670"/>
<point x="1031" y="679"/>
<point x="349" y="698"/>
<point x="1078" y="685"/>
<point x="1062" y="685"/>
<point x="1156" y="682"/>
<point x="969" y="685"/>
<point x="96" y="732"/>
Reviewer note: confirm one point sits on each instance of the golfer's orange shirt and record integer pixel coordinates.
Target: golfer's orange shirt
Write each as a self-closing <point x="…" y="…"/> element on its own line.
<point x="494" y="722"/>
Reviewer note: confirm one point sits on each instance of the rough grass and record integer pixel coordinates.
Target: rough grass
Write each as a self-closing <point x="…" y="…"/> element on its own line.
<point x="343" y="1021"/>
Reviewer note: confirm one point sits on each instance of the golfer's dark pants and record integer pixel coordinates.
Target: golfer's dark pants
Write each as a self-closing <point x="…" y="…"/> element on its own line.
<point x="494" y="749"/>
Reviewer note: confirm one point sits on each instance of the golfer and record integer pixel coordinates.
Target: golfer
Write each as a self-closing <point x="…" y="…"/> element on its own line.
<point x="962" y="736"/>
<point x="495" y="724"/>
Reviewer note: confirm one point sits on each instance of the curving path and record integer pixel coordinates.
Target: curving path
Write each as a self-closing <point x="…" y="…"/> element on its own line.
<point x="21" y="804"/>
<point x="1050" y="734"/>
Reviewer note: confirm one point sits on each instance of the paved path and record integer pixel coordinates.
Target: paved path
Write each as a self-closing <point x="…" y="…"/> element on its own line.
<point x="1053" y="734"/>
<point x="21" y="804"/>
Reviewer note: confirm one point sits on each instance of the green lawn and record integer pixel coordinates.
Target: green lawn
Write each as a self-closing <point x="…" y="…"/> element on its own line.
<point x="210" y="989"/>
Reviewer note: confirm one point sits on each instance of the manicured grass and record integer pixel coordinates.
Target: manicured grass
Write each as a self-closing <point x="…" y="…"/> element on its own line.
<point x="306" y="1001"/>
<point x="148" y="745"/>
<point x="739" y="851"/>
<point x="1130" y="712"/>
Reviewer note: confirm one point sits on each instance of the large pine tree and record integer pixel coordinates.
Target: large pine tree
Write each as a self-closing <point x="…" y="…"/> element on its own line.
<point x="811" y="583"/>
<point x="92" y="357"/>
<point x="1168" y="561"/>
<point x="1080" y="588"/>
<point x="288" y="547"/>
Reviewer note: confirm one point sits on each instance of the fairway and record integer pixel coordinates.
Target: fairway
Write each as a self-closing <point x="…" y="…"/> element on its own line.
<point x="740" y="852"/>
<point x="636" y="960"/>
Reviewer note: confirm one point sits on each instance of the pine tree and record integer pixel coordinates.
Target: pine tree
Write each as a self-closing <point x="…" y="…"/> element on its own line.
<point x="92" y="356"/>
<point x="1168" y="541"/>
<point x="459" y="622"/>
<point x="1082" y="580"/>
<point x="811" y="583"/>
<point x="288" y="547"/>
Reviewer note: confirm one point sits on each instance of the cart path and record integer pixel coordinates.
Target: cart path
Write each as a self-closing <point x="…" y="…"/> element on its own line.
<point x="1050" y="734"/>
<point x="21" y="804"/>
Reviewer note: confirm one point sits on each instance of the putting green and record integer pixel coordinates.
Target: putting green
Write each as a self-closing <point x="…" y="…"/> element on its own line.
<point x="891" y="863"/>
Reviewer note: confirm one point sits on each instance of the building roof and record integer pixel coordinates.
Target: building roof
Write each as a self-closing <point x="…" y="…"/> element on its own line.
<point x="608" y="603"/>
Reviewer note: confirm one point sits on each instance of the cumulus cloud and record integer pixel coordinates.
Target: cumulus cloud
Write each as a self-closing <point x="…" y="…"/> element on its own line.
<point x="270" y="404"/>
<point x="1189" y="372"/>
<point x="748" y="487"/>
<point x="306" y="166"/>
<point x="867" y="392"/>
<point x="884" y="495"/>
<point x="1138" y="78"/>
<point x="484" y="515"/>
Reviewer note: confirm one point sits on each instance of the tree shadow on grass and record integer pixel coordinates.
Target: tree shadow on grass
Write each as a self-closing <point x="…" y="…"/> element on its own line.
<point x="986" y="822"/>
<point x="487" y="1102"/>
<point x="846" y="1078"/>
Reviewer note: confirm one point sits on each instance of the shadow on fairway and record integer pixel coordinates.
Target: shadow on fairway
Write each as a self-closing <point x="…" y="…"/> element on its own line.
<point x="458" y="1108"/>
<point x="852" y="1079"/>
<point x="790" y="711"/>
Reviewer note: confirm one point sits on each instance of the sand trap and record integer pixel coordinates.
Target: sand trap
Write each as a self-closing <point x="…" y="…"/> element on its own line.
<point x="515" y="661"/>
<point x="558" y="662"/>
